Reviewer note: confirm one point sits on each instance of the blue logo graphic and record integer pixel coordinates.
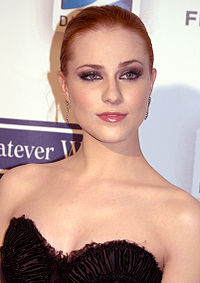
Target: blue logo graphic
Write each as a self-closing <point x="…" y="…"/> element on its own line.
<point x="71" y="4"/>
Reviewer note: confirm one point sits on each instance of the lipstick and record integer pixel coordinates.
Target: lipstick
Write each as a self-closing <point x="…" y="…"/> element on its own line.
<point x="112" y="117"/>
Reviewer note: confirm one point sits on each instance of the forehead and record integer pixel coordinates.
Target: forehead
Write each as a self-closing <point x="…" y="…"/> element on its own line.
<point x="107" y="45"/>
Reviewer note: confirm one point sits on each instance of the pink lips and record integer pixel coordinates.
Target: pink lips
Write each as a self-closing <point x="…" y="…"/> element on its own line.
<point x="111" y="117"/>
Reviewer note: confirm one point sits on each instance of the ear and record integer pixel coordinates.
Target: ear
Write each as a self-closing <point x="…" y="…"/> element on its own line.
<point x="63" y="84"/>
<point x="153" y="78"/>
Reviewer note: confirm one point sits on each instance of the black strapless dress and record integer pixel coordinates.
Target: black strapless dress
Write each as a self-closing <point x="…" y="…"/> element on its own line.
<point x="28" y="258"/>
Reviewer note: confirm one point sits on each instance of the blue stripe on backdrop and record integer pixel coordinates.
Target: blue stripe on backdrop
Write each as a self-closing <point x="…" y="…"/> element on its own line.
<point x="24" y="142"/>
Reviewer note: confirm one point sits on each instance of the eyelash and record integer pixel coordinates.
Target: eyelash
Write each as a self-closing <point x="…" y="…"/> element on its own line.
<point x="93" y="75"/>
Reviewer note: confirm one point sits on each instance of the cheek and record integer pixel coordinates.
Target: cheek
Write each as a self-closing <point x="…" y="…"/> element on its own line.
<point x="81" y="100"/>
<point x="137" y="96"/>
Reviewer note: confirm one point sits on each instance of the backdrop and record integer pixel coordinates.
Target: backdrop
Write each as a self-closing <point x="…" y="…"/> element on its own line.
<point x="32" y="107"/>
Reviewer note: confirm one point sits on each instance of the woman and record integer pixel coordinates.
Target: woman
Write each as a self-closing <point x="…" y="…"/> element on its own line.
<point x="114" y="218"/>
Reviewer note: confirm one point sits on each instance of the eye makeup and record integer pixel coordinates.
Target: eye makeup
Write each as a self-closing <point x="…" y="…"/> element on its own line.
<point x="90" y="75"/>
<point x="131" y="74"/>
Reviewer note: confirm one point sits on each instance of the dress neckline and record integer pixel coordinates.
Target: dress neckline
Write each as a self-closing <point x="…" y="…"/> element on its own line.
<point x="88" y="247"/>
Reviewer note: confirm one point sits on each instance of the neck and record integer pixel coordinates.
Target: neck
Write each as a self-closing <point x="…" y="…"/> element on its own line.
<point x="107" y="160"/>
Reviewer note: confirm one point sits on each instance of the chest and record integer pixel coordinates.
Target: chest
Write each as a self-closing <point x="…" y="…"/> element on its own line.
<point x="69" y="223"/>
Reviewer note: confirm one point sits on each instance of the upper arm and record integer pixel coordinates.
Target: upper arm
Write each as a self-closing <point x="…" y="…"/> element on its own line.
<point x="183" y="259"/>
<point x="8" y="198"/>
<point x="13" y="188"/>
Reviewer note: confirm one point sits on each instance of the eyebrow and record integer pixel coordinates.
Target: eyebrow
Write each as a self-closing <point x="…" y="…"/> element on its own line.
<point x="122" y="64"/>
<point x="125" y="63"/>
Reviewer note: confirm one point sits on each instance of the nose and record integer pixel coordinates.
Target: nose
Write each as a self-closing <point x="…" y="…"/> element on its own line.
<point x="112" y="93"/>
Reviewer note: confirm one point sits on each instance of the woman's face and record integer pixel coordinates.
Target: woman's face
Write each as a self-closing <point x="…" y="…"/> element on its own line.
<point x="108" y="83"/>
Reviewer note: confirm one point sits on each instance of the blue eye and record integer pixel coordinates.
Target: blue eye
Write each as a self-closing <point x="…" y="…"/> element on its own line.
<point x="131" y="75"/>
<point x="90" y="76"/>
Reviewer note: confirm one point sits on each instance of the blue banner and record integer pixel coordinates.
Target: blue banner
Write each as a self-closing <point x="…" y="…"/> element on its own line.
<point x="24" y="141"/>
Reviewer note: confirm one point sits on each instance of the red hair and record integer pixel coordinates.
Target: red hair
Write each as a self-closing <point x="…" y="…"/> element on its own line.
<point x="91" y="18"/>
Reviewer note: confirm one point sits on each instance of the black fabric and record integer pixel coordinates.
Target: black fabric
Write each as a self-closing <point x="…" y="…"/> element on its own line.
<point x="28" y="258"/>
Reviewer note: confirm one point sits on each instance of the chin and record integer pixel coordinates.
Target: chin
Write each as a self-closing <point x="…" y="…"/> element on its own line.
<point x="109" y="136"/>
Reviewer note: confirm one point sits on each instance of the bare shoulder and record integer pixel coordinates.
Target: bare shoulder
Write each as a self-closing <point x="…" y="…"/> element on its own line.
<point x="181" y="208"/>
<point x="13" y="181"/>
<point x="17" y="177"/>
<point x="22" y="180"/>
<point x="181" y="227"/>
<point x="182" y="204"/>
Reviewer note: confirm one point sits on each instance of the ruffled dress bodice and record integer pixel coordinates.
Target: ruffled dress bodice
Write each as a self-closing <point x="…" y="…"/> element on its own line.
<point x="28" y="258"/>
